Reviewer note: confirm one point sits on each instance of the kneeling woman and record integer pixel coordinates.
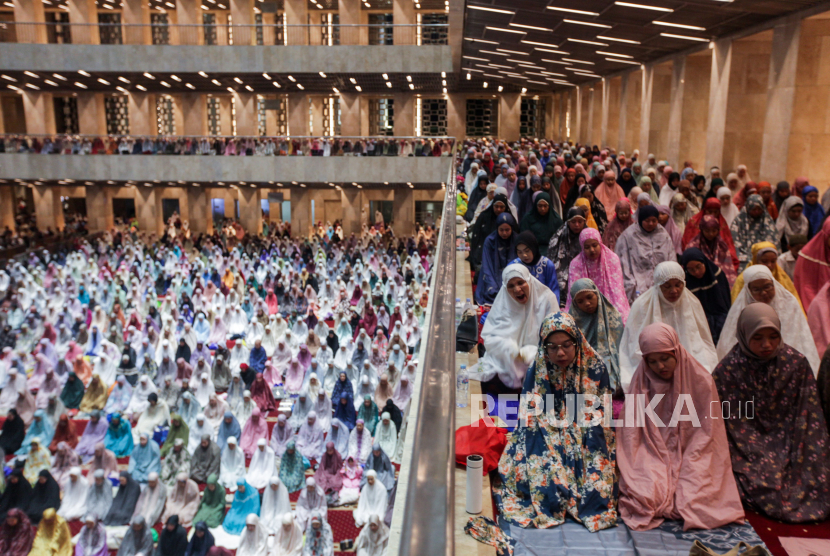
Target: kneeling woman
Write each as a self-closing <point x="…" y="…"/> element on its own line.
<point x="781" y="456"/>
<point x="549" y="471"/>
<point x="675" y="472"/>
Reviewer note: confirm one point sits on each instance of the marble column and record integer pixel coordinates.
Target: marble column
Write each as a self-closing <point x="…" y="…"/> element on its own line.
<point x="603" y="126"/>
<point x="351" y="14"/>
<point x="403" y="211"/>
<point x="250" y="209"/>
<point x="149" y="221"/>
<point x="189" y="12"/>
<point x="296" y="13"/>
<point x="780" y="99"/>
<point x="99" y="208"/>
<point x="84" y="11"/>
<point x="194" y="113"/>
<point x="297" y="116"/>
<point x="246" y="114"/>
<point x="404" y="122"/>
<point x="576" y="113"/>
<point x="48" y="209"/>
<point x="92" y="119"/>
<point x="457" y="116"/>
<point x="678" y="80"/>
<point x="588" y="134"/>
<point x="201" y="217"/>
<point x="300" y="211"/>
<point x="140" y="114"/>
<point x="242" y="15"/>
<point x="624" y="92"/>
<point x="645" y="111"/>
<point x="135" y="14"/>
<point x="510" y="114"/>
<point x="352" y="201"/>
<point x="39" y="112"/>
<point x="350" y="114"/>
<point x="7" y="207"/>
<point x="317" y="126"/>
<point x="718" y="96"/>
<point x="226" y="115"/>
<point x="403" y="13"/>
<point x="30" y="11"/>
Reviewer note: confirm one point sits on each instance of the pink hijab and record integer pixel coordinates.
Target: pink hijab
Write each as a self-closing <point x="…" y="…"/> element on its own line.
<point x="812" y="268"/>
<point x="818" y="317"/>
<point x="682" y="472"/>
<point x="606" y="272"/>
<point x="254" y="429"/>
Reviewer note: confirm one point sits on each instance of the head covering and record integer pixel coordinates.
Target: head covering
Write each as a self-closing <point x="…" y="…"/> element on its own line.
<point x="747" y="231"/>
<point x="17" y="540"/>
<point x="605" y="272"/>
<point x="781" y="455"/>
<point x="617" y="226"/>
<point x="678" y="470"/>
<point x="53" y="536"/>
<point x="200" y="545"/>
<point x="124" y="503"/>
<point x="685" y="316"/>
<point x="813" y="212"/>
<point x="543" y="227"/>
<point x="795" y="331"/>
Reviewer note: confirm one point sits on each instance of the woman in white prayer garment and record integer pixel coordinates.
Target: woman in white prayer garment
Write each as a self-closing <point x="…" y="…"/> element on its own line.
<point x="312" y="499"/>
<point x="263" y="466"/>
<point x="232" y="464"/>
<point x="373" y="498"/>
<point x="75" y="488"/>
<point x="288" y="537"/>
<point x="254" y="538"/>
<point x="373" y="539"/>
<point x="275" y="504"/>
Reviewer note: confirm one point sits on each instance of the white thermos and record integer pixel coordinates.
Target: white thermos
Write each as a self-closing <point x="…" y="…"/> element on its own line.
<point x="475" y="465"/>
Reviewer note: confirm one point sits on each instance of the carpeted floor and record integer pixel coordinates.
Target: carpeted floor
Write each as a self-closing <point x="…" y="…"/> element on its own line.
<point x="770" y="531"/>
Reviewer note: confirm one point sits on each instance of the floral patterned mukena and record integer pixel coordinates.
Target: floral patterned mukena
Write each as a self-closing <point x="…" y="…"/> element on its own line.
<point x="548" y="472"/>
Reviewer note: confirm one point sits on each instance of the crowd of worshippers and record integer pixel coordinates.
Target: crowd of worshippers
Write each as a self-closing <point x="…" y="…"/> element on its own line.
<point x="610" y="275"/>
<point x="172" y="354"/>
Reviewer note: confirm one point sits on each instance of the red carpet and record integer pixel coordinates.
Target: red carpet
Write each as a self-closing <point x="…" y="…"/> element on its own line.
<point x="770" y="530"/>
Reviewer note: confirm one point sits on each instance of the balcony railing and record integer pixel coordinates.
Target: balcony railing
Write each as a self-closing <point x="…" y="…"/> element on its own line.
<point x="197" y="145"/>
<point x="223" y="34"/>
<point x="423" y="518"/>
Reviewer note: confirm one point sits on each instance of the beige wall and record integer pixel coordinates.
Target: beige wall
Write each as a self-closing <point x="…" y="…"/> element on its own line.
<point x="747" y="102"/>
<point x="612" y="130"/>
<point x="810" y="133"/>
<point x="660" y="107"/>
<point x="633" y="97"/>
<point x="695" y="105"/>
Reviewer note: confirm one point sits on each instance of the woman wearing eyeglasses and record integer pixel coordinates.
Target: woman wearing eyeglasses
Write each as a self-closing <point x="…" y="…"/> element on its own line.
<point x="761" y="286"/>
<point x="555" y="465"/>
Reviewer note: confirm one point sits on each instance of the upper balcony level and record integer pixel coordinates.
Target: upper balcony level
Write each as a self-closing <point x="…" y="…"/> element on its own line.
<point x="243" y="36"/>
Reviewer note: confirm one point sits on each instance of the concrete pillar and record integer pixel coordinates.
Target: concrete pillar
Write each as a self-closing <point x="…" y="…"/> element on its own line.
<point x="99" y="208"/>
<point x="250" y="209"/>
<point x="403" y="13"/>
<point x="84" y="11"/>
<point x="242" y="14"/>
<point x="297" y="119"/>
<point x="300" y="211"/>
<point x="403" y="211"/>
<point x="588" y="134"/>
<point x="92" y="118"/>
<point x="7" y="207"/>
<point x="48" y="209"/>
<point x="201" y="217"/>
<point x="194" y="113"/>
<point x="133" y="13"/>
<point x="404" y="122"/>
<point x="226" y="115"/>
<point x="624" y="91"/>
<point x="316" y="115"/>
<point x="189" y="12"/>
<point x="350" y="14"/>
<point x="678" y="80"/>
<point x="145" y="210"/>
<point x="576" y="115"/>
<point x="645" y="110"/>
<point x="603" y="125"/>
<point x="718" y="96"/>
<point x="246" y="114"/>
<point x="30" y="11"/>
<point x="352" y="201"/>
<point x="510" y="115"/>
<point x="39" y="112"/>
<point x="350" y="114"/>
<point x="140" y="111"/>
<point x="296" y="13"/>
<point x="786" y="39"/>
<point x="457" y="116"/>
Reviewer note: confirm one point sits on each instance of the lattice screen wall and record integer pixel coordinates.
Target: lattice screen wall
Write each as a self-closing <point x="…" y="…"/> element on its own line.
<point x="433" y="116"/>
<point x="165" y="116"/>
<point x="116" y="110"/>
<point x="482" y="117"/>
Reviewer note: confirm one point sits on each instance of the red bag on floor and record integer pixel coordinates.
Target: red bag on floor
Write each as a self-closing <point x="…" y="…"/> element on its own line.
<point x="487" y="442"/>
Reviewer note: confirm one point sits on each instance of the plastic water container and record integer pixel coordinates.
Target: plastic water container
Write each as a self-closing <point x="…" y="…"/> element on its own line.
<point x="469" y="307"/>
<point x="459" y="311"/>
<point x="462" y="387"/>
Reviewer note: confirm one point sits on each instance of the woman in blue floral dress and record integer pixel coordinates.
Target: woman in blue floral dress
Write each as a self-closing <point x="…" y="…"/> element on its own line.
<point x="548" y="471"/>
